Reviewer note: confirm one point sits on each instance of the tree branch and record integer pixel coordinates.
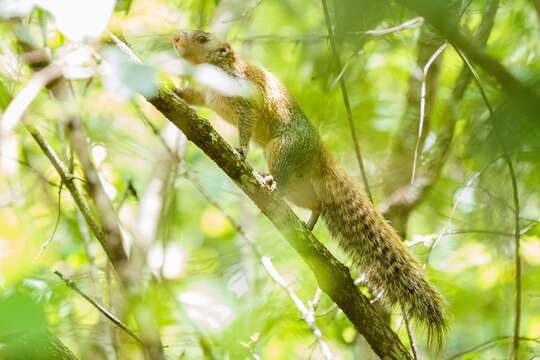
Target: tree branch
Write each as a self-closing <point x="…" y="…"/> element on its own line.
<point x="105" y="211"/>
<point x="332" y="276"/>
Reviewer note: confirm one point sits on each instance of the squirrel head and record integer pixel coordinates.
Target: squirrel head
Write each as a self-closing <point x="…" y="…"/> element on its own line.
<point x="199" y="47"/>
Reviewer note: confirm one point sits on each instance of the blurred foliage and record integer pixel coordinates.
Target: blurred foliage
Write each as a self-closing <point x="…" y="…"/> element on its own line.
<point x="205" y="283"/>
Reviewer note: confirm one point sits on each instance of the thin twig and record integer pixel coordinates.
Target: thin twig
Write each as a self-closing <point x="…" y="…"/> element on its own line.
<point x="515" y="195"/>
<point x="410" y="334"/>
<point x="451" y="216"/>
<point x="56" y="223"/>
<point x="17" y="107"/>
<point x="71" y="284"/>
<point x="417" y="21"/>
<point x="327" y="311"/>
<point x="423" y="106"/>
<point x="410" y="24"/>
<point x="314" y="303"/>
<point x="479" y="231"/>
<point x="343" y="86"/>
<point x="67" y="179"/>
<point x="33" y="170"/>
<point x="307" y="315"/>
<point x="488" y="344"/>
<point x="429" y="238"/>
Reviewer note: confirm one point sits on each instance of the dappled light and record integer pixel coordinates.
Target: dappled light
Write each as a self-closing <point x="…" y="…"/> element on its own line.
<point x="230" y="179"/>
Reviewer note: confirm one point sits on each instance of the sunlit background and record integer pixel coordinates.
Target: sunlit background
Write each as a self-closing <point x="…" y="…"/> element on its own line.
<point x="204" y="277"/>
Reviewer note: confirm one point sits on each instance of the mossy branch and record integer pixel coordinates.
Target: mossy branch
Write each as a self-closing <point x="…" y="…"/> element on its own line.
<point x="333" y="277"/>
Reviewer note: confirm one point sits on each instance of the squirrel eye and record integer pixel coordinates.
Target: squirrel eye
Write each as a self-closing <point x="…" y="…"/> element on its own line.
<point x="202" y="39"/>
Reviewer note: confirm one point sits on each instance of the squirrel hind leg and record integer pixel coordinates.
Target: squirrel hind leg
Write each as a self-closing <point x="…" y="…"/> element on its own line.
<point x="292" y="166"/>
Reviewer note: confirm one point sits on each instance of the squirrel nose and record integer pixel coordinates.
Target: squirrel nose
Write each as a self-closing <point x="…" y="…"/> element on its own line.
<point x="178" y="39"/>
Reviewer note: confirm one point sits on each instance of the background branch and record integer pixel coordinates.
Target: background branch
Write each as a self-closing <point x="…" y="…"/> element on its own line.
<point x="107" y="232"/>
<point x="401" y="159"/>
<point x="437" y="15"/>
<point x="516" y="210"/>
<point x="405" y="197"/>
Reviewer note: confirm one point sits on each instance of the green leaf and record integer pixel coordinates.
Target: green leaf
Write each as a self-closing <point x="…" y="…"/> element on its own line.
<point x="5" y="96"/>
<point x="123" y="5"/>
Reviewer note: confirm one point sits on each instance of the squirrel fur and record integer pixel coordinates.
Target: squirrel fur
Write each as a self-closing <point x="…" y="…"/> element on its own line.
<point x="307" y="175"/>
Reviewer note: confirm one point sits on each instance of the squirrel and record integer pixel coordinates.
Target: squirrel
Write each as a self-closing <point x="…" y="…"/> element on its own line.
<point x="307" y="175"/>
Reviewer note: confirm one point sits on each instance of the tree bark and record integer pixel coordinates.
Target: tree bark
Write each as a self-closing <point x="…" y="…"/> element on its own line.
<point x="333" y="277"/>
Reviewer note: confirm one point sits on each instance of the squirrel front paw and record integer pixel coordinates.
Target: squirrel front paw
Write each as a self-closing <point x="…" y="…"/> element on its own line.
<point x="266" y="180"/>
<point x="269" y="182"/>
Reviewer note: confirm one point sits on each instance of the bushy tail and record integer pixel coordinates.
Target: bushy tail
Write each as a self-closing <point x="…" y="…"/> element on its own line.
<point x="373" y="245"/>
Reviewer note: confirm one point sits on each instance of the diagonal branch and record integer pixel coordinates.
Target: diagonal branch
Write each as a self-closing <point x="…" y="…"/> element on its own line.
<point x="333" y="277"/>
<point x="67" y="180"/>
